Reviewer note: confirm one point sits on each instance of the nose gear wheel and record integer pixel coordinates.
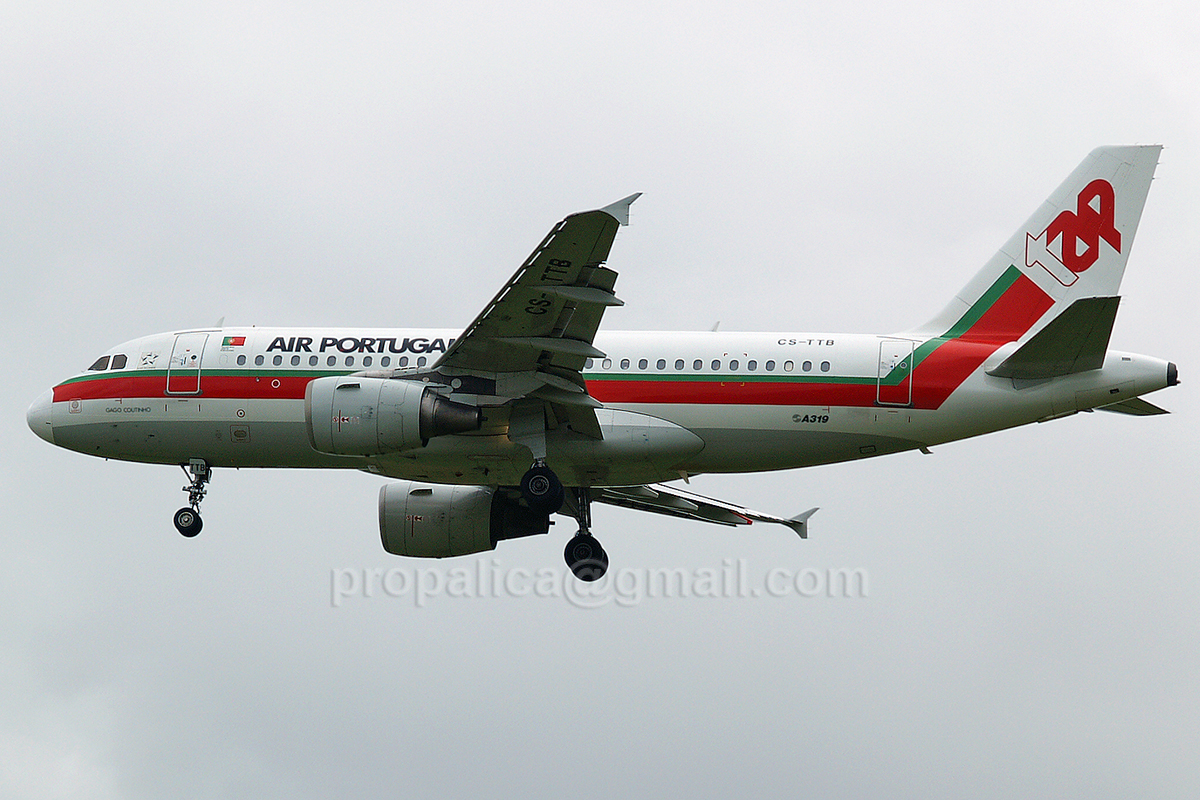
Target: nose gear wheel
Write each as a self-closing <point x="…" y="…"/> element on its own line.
<point x="188" y="522"/>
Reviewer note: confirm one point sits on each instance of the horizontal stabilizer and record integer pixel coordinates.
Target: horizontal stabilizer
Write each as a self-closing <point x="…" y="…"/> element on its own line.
<point x="661" y="499"/>
<point x="1135" y="406"/>
<point x="1074" y="341"/>
<point x="799" y="523"/>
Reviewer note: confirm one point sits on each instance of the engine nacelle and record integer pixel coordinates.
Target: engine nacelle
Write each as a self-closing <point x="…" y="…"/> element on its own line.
<point x="430" y="520"/>
<point x="352" y="416"/>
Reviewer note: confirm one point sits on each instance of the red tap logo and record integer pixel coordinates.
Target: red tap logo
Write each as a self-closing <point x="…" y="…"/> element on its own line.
<point x="1090" y="222"/>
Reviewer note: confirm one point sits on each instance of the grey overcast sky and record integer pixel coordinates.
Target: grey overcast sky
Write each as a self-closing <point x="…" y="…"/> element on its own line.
<point x="1030" y="625"/>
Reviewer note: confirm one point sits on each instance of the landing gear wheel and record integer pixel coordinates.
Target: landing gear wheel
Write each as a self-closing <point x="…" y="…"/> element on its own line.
<point x="188" y="522"/>
<point x="586" y="557"/>
<point x="187" y="519"/>
<point x="542" y="489"/>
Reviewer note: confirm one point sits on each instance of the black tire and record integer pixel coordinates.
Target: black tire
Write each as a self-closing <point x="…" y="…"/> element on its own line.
<point x="542" y="490"/>
<point x="188" y="522"/>
<point x="586" y="558"/>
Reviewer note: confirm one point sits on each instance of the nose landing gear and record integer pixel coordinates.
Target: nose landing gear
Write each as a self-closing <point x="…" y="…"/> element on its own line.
<point x="188" y="522"/>
<point x="187" y="519"/>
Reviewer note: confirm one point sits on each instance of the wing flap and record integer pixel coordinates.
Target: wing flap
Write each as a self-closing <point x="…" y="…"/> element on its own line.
<point x="552" y="394"/>
<point x="560" y="345"/>
<point x="583" y="294"/>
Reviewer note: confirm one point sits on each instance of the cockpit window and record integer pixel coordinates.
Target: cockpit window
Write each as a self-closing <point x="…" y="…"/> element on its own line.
<point x="100" y="365"/>
<point x="118" y="362"/>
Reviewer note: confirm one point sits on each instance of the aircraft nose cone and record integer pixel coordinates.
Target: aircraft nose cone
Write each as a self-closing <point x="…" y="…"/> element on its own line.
<point x="38" y="416"/>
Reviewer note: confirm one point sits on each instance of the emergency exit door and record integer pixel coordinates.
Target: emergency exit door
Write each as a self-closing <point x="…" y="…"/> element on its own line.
<point x="183" y="370"/>
<point x="895" y="372"/>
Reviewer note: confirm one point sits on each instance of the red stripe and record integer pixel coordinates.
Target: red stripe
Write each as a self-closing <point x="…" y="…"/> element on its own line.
<point x="945" y="369"/>
<point x="934" y="379"/>
<point x="606" y="391"/>
<point x="733" y="392"/>
<point x="1013" y="313"/>
<point x="248" y="387"/>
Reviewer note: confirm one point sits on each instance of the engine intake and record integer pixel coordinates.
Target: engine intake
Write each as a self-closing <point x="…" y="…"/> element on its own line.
<point x="429" y="520"/>
<point x="354" y="416"/>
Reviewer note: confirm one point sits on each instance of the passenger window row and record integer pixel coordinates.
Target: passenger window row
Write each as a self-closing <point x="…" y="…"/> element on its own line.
<point x="332" y="361"/>
<point x="680" y="365"/>
<point x="698" y="365"/>
<point x="120" y="361"/>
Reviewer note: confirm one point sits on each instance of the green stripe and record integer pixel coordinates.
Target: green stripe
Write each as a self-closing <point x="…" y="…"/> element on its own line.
<point x="209" y="373"/>
<point x="986" y="301"/>
<point x="125" y="373"/>
<point x="899" y="373"/>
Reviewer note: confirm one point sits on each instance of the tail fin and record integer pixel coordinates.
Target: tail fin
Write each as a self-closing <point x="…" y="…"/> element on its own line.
<point x="1074" y="246"/>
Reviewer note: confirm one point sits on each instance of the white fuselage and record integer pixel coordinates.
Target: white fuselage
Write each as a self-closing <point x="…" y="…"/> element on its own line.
<point x="673" y="403"/>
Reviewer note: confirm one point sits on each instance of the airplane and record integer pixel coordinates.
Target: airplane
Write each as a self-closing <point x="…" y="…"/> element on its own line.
<point x="531" y="411"/>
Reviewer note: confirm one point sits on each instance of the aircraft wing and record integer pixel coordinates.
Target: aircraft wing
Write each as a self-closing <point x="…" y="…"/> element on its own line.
<point x="548" y="312"/>
<point x="535" y="336"/>
<point x="662" y="499"/>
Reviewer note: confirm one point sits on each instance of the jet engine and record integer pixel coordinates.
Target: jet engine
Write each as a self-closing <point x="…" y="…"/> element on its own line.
<point x="352" y="416"/>
<point x="430" y="520"/>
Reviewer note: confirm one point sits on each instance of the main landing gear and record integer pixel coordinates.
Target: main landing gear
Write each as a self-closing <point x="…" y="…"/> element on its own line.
<point x="545" y="494"/>
<point x="583" y="554"/>
<point x="187" y="519"/>
<point x="542" y="489"/>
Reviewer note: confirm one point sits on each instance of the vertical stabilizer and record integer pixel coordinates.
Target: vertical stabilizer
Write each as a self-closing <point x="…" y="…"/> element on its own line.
<point x="1074" y="246"/>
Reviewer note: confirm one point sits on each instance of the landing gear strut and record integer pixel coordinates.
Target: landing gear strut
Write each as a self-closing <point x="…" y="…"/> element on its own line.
<point x="584" y="555"/>
<point x="187" y="519"/>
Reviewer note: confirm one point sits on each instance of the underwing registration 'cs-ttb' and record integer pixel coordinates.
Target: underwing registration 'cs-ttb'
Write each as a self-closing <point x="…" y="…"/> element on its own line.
<point x="531" y="411"/>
